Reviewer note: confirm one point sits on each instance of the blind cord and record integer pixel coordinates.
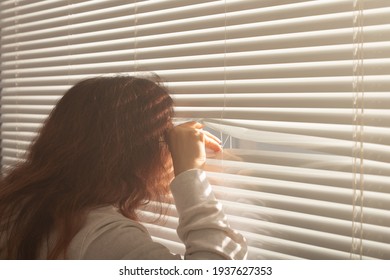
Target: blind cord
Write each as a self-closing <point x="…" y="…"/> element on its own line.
<point x="358" y="132"/>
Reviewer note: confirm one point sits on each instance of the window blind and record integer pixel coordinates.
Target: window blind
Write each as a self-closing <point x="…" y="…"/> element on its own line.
<point x="297" y="90"/>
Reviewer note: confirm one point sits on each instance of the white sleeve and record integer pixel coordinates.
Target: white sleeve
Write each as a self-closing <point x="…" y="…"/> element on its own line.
<point x="203" y="226"/>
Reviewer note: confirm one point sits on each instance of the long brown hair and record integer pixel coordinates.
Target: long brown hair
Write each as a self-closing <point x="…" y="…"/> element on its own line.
<point x="101" y="145"/>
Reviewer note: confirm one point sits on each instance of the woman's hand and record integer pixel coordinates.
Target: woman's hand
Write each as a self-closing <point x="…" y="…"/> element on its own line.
<point x="187" y="143"/>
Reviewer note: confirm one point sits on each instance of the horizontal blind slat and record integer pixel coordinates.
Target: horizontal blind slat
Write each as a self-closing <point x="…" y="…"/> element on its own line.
<point x="373" y="100"/>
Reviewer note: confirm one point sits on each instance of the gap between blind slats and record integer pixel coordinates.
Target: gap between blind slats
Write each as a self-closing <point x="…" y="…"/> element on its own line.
<point x="343" y="132"/>
<point x="319" y="115"/>
<point x="297" y="174"/>
<point x="300" y="141"/>
<point x="372" y="100"/>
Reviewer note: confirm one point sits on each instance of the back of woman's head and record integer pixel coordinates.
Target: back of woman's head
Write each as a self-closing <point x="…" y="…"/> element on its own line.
<point x="103" y="144"/>
<point x="106" y="132"/>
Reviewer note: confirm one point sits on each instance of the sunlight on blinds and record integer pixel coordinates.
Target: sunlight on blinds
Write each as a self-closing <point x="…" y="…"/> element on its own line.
<point x="297" y="90"/>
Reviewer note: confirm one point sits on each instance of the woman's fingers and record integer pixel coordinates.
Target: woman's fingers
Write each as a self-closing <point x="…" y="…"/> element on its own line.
<point x="193" y="124"/>
<point x="212" y="142"/>
<point x="187" y="143"/>
<point x="212" y="136"/>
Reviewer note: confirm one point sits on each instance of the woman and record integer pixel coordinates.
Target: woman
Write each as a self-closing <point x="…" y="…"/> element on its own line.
<point x="107" y="149"/>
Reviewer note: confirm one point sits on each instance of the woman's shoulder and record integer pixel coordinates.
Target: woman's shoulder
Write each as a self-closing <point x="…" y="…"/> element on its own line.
<point x="108" y="215"/>
<point x="105" y="228"/>
<point x="108" y="219"/>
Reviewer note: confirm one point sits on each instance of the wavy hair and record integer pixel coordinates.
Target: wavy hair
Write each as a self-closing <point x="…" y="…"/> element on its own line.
<point x="101" y="145"/>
